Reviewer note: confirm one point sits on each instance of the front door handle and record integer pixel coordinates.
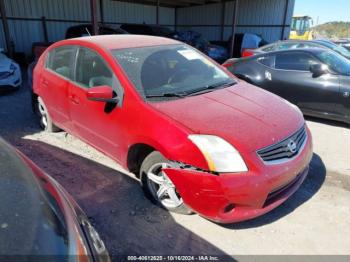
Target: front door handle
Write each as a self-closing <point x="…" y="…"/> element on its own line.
<point x="346" y="94"/>
<point x="44" y="83"/>
<point x="74" y="99"/>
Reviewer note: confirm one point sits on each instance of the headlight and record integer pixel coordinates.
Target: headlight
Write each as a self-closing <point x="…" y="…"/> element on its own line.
<point x="13" y="67"/>
<point x="221" y="156"/>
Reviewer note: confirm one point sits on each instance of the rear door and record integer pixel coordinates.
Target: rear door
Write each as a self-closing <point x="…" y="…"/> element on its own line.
<point x="97" y="123"/>
<point x="54" y="83"/>
<point x="290" y="78"/>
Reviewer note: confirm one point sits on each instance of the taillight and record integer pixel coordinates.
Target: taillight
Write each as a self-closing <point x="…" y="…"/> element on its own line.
<point x="228" y="64"/>
<point x="247" y="53"/>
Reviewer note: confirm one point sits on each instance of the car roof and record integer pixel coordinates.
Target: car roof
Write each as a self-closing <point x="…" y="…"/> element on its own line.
<point x="316" y="42"/>
<point x="314" y="50"/>
<point x="112" y="42"/>
<point x="301" y="41"/>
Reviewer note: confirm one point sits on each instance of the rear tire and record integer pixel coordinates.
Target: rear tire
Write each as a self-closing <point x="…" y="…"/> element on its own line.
<point x="158" y="187"/>
<point x="45" y="120"/>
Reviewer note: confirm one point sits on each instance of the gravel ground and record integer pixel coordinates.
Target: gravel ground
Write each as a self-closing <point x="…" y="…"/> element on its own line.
<point x="315" y="220"/>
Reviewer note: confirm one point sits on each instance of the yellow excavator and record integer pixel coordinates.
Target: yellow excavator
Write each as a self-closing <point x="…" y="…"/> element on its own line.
<point x="301" y="28"/>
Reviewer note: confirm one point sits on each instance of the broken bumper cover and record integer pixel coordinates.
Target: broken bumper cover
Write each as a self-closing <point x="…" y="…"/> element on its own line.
<point x="235" y="197"/>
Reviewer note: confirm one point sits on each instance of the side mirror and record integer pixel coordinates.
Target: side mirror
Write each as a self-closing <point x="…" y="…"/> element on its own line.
<point x="102" y="94"/>
<point x="318" y="69"/>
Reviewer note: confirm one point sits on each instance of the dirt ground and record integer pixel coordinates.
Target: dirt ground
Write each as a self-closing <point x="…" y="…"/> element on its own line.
<point x="315" y="220"/>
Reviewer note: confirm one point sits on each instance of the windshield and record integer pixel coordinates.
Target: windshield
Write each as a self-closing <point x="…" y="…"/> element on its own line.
<point x="300" y="24"/>
<point x="171" y="69"/>
<point x="336" y="62"/>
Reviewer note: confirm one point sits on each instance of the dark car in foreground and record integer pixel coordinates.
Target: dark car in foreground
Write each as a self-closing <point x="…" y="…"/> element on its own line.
<point x="316" y="80"/>
<point x="299" y="44"/>
<point x="38" y="217"/>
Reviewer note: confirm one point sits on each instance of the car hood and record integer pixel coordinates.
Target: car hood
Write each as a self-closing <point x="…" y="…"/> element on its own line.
<point x="246" y="116"/>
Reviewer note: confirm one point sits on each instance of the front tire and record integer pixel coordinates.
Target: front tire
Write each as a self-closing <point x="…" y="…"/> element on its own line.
<point x="45" y="120"/>
<point x="158" y="187"/>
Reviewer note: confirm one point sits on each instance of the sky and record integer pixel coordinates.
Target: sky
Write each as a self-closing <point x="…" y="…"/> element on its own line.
<point x="324" y="10"/>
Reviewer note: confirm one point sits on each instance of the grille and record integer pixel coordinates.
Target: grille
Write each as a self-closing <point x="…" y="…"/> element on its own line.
<point x="286" y="149"/>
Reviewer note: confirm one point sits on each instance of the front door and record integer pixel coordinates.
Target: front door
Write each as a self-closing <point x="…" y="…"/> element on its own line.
<point x="291" y="79"/>
<point x="97" y="123"/>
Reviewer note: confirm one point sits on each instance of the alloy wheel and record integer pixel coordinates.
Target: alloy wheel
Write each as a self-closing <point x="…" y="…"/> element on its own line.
<point x="161" y="186"/>
<point x="43" y="115"/>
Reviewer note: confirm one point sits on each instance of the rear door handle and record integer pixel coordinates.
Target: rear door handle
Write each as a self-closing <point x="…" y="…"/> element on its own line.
<point x="346" y="94"/>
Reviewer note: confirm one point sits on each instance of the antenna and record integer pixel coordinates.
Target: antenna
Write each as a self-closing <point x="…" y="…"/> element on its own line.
<point x="87" y="30"/>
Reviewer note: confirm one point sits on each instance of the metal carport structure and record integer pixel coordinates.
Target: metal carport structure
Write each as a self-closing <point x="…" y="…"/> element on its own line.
<point x="28" y="21"/>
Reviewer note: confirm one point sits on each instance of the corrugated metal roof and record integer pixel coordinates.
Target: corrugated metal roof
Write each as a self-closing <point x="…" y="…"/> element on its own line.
<point x="204" y="19"/>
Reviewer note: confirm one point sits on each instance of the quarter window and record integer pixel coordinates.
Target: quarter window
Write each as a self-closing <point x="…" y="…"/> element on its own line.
<point x="91" y="70"/>
<point x="292" y="45"/>
<point x="269" y="48"/>
<point x="60" y="60"/>
<point x="266" y="60"/>
<point x="294" y="61"/>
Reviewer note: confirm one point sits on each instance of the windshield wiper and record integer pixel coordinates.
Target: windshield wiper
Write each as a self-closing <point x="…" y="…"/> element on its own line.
<point x="209" y="88"/>
<point x="167" y="95"/>
<point x="197" y="91"/>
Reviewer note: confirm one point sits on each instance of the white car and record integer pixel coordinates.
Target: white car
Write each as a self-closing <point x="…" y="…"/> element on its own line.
<point x="10" y="73"/>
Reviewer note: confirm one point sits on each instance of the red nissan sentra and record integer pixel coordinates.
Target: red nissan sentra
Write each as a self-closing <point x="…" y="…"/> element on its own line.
<point x="198" y="138"/>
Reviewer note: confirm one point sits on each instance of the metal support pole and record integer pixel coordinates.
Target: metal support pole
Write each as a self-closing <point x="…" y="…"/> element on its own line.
<point x="102" y="17"/>
<point x="44" y="25"/>
<point x="223" y="12"/>
<point x="234" y="23"/>
<point x="175" y="22"/>
<point x="157" y="12"/>
<point x="285" y="20"/>
<point x="6" y="29"/>
<point x="93" y="8"/>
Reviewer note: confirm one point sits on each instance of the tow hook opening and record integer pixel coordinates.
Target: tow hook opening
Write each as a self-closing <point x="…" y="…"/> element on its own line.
<point x="229" y="208"/>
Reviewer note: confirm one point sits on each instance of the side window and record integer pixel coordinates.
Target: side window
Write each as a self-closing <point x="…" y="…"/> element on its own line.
<point x="267" y="60"/>
<point x="294" y="61"/>
<point x="91" y="70"/>
<point x="286" y="46"/>
<point x="60" y="60"/>
<point x="269" y="48"/>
